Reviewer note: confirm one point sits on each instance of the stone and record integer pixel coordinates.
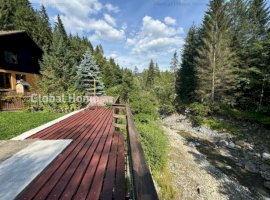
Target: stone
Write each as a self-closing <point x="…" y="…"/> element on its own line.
<point x="228" y="167"/>
<point x="264" y="167"/>
<point x="231" y="145"/>
<point x="267" y="184"/>
<point x="251" y="167"/>
<point x="266" y="156"/>
<point x="223" y="143"/>
<point x="191" y="144"/>
<point x="197" y="144"/>
<point x="265" y="175"/>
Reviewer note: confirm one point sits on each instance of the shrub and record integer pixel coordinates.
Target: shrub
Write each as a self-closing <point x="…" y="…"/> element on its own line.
<point x="200" y="109"/>
<point x="155" y="144"/>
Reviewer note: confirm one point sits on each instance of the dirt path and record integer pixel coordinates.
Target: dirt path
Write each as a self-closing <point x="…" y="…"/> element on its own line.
<point x="194" y="177"/>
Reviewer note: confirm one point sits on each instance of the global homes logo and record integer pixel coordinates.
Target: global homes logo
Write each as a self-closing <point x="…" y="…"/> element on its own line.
<point x="71" y="98"/>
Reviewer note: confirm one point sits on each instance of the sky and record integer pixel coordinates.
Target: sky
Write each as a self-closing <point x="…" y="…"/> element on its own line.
<point x="130" y="31"/>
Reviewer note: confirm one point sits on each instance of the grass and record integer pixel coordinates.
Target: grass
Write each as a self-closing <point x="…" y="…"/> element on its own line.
<point x="15" y="123"/>
<point x="259" y="116"/>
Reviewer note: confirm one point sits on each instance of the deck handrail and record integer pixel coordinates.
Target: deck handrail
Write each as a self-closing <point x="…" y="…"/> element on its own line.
<point x="143" y="184"/>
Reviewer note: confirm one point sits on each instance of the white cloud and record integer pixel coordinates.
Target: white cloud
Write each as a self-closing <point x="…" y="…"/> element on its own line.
<point x="98" y="29"/>
<point x="112" y="8"/>
<point x="155" y="36"/>
<point x="78" y="8"/>
<point x="78" y="17"/>
<point x="109" y="19"/>
<point x="155" y="40"/>
<point x="170" y="21"/>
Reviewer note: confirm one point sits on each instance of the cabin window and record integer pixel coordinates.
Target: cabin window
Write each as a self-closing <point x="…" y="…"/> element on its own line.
<point x="10" y="58"/>
<point x="5" y="80"/>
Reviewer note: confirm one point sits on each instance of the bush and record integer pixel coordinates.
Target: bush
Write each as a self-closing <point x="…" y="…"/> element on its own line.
<point x="143" y="103"/>
<point x="200" y="109"/>
<point x="154" y="142"/>
<point x="166" y="109"/>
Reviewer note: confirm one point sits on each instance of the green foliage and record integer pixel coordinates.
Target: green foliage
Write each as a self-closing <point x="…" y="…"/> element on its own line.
<point x="113" y="91"/>
<point x="200" y="109"/>
<point x="155" y="144"/>
<point x="108" y="105"/>
<point x="143" y="102"/>
<point x="79" y="46"/>
<point x="15" y="123"/>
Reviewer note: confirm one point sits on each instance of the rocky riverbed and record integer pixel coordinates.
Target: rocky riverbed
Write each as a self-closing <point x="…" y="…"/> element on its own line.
<point x="208" y="164"/>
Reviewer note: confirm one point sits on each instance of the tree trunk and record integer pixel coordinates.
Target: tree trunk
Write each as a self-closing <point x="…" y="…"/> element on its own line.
<point x="262" y="92"/>
<point x="214" y="66"/>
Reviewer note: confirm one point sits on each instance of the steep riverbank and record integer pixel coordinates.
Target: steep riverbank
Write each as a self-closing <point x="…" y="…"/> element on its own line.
<point x="207" y="164"/>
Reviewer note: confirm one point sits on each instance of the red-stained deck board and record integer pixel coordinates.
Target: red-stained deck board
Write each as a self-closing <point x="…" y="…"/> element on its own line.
<point x="83" y="168"/>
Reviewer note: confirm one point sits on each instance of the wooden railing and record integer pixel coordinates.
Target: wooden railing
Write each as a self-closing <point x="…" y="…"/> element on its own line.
<point x="142" y="184"/>
<point x="10" y="101"/>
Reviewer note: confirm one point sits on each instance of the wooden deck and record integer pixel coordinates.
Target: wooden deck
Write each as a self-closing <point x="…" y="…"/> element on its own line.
<point x="91" y="167"/>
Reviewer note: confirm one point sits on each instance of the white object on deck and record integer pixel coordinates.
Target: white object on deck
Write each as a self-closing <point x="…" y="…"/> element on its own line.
<point x="18" y="171"/>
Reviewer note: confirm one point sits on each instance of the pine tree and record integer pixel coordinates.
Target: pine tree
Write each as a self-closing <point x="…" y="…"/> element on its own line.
<point x="61" y="29"/>
<point x="78" y="46"/>
<point x="44" y="27"/>
<point x="25" y="18"/>
<point x="136" y="71"/>
<point x="7" y="9"/>
<point x="58" y="67"/>
<point x="174" y="65"/>
<point x="186" y="79"/>
<point x="157" y="71"/>
<point x="259" y="19"/>
<point x="255" y="53"/>
<point x="89" y="75"/>
<point x="150" y="75"/>
<point x="215" y="72"/>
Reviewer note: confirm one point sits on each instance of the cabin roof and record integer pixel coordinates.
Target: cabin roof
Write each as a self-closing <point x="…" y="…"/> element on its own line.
<point x="11" y="32"/>
<point x="19" y="35"/>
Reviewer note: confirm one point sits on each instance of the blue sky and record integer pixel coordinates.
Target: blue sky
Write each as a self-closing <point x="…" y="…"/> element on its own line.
<point x="130" y="31"/>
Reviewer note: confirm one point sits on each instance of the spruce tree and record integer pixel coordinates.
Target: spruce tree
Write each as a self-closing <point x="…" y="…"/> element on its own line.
<point x="25" y="18"/>
<point x="215" y="72"/>
<point x="44" y="27"/>
<point x="255" y="57"/>
<point x="150" y="75"/>
<point x="186" y="78"/>
<point x="89" y="75"/>
<point x="7" y="9"/>
<point x="259" y="19"/>
<point x="58" y="67"/>
<point x="174" y="65"/>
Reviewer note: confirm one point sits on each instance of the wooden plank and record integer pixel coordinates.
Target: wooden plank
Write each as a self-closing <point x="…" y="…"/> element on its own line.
<point x="96" y="186"/>
<point x="119" y="116"/>
<point x="119" y="107"/>
<point x="62" y="124"/>
<point x="109" y="180"/>
<point x="46" y="189"/>
<point x="119" y="192"/>
<point x="122" y="126"/>
<point x="78" y="165"/>
<point x="142" y="178"/>
<point x="62" y="161"/>
<point x="86" y="182"/>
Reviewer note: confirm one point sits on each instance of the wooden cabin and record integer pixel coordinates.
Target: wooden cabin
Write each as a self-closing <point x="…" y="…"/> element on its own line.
<point x="19" y="60"/>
